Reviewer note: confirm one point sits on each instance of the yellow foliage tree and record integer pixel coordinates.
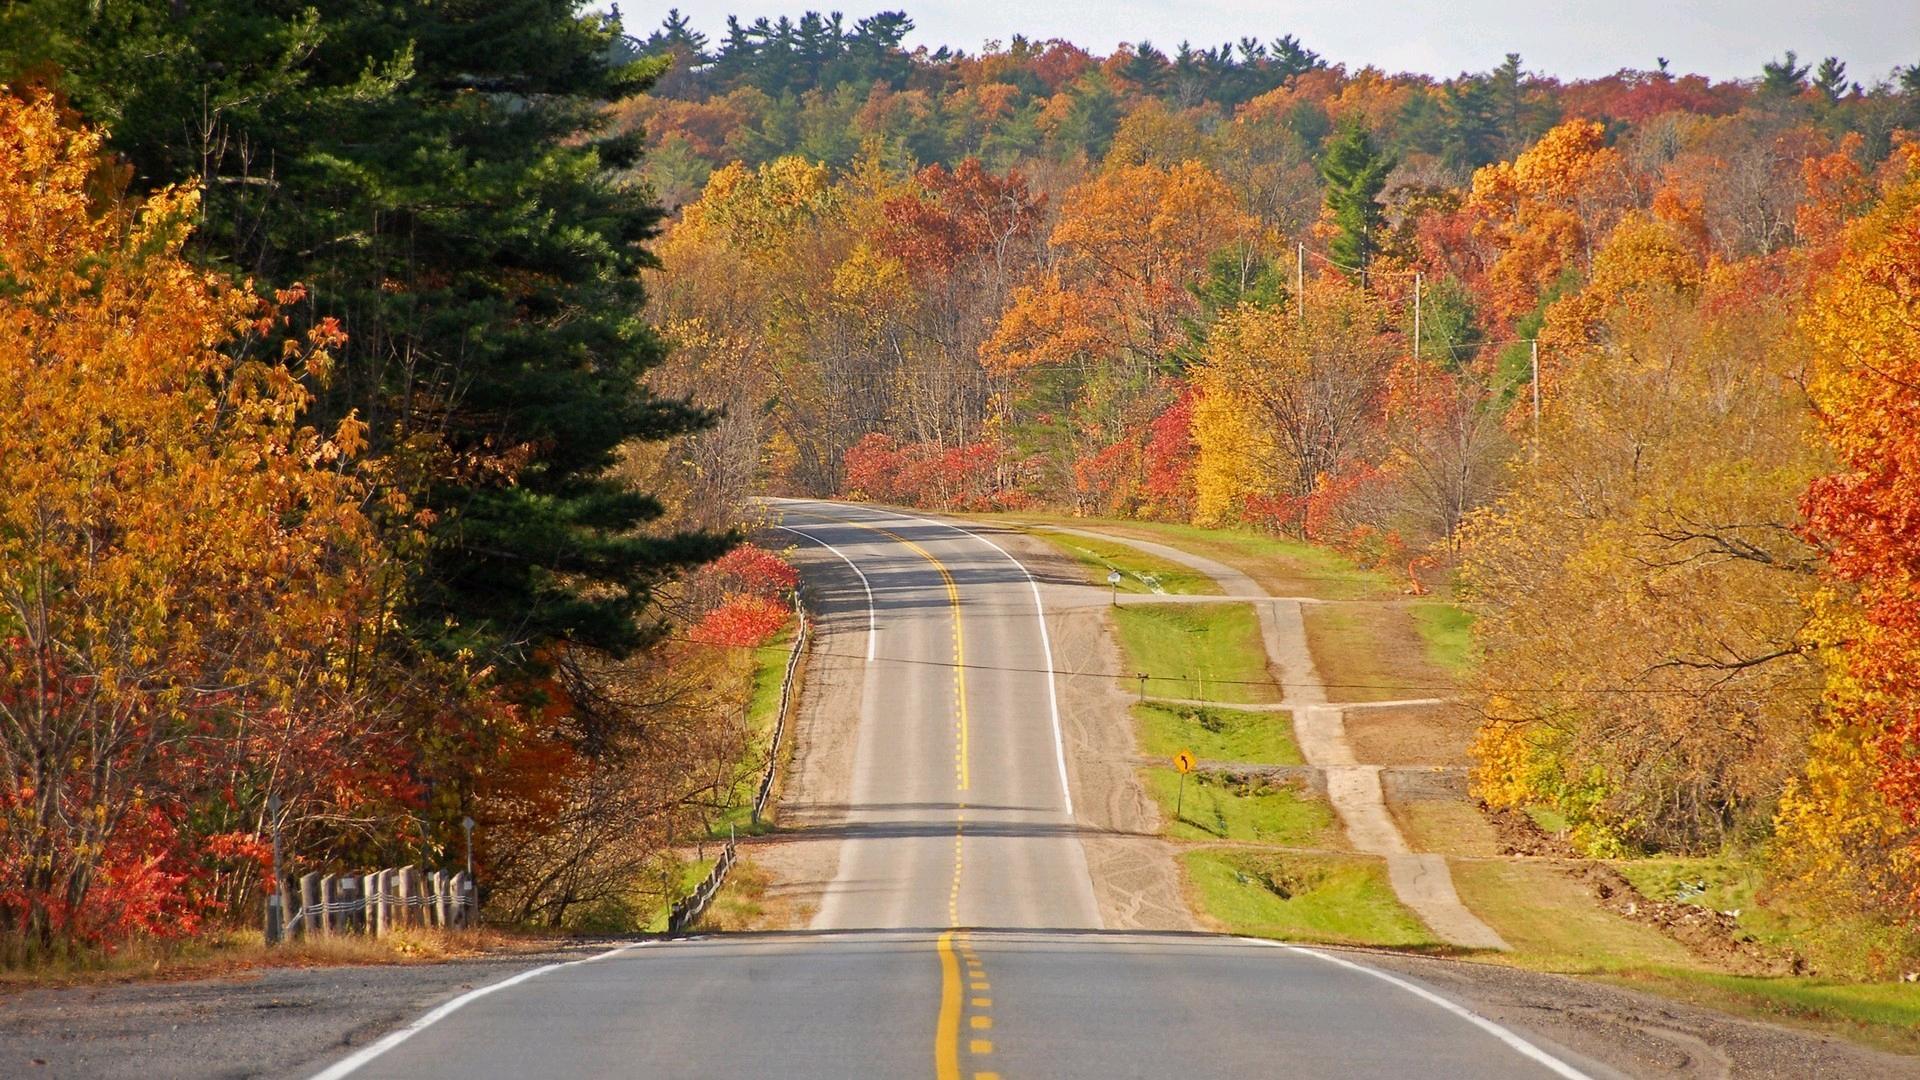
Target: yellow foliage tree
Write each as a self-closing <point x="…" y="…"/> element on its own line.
<point x="1286" y="405"/>
<point x="186" y="574"/>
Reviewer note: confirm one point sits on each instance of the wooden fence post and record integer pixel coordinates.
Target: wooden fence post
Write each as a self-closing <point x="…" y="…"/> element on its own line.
<point x="463" y="898"/>
<point x="378" y="898"/>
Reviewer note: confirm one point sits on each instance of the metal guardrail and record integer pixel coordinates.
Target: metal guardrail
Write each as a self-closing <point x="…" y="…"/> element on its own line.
<point x="786" y="702"/>
<point x="687" y="910"/>
<point x="377" y="903"/>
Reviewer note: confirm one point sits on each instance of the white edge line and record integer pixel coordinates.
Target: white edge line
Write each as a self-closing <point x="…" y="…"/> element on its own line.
<point x="1519" y="1045"/>
<point x="1046" y="646"/>
<point x="353" y="1062"/>
<point x="872" y="634"/>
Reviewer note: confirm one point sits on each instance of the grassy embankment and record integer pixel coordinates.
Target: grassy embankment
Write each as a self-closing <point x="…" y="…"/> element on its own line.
<point x="1550" y="918"/>
<point x="1252" y="876"/>
<point x="765" y="667"/>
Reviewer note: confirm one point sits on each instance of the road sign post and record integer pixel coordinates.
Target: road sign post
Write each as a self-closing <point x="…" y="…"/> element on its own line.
<point x="1113" y="582"/>
<point x="1183" y="764"/>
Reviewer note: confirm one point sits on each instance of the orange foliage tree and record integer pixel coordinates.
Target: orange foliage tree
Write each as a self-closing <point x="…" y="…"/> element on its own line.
<point x="1128" y="243"/>
<point x="187" y="579"/>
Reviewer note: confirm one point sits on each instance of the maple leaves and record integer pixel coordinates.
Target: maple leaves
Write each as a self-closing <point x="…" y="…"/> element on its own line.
<point x="1856" y="820"/>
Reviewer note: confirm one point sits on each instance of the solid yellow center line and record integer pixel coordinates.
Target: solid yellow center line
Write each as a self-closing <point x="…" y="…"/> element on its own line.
<point x="946" y="1036"/>
<point x="961" y="756"/>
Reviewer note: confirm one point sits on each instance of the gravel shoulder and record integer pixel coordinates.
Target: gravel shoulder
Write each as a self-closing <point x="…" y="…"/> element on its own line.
<point x="1642" y="1034"/>
<point x="272" y="1022"/>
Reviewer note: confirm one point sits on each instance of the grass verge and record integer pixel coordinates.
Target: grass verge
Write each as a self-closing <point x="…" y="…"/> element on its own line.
<point x="1207" y="651"/>
<point x="1326" y="898"/>
<point x="1216" y="734"/>
<point x="1139" y="571"/>
<point x="239" y="951"/>
<point x="1447" y="630"/>
<point x="1216" y="806"/>
<point x="769" y="666"/>
<point x="1553" y="924"/>
<point x="1883" y="1015"/>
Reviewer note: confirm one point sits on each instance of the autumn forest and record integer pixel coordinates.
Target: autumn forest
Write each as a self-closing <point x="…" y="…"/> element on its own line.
<point x="385" y="394"/>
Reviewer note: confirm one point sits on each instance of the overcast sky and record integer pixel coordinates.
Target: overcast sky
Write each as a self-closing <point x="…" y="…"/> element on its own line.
<point x="1568" y="38"/>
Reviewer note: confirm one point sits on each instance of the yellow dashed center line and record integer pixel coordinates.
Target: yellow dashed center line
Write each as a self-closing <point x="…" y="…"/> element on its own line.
<point x="954" y="945"/>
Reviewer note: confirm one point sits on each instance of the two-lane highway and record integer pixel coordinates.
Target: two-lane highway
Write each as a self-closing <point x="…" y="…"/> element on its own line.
<point x="961" y="813"/>
<point x="959" y="936"/>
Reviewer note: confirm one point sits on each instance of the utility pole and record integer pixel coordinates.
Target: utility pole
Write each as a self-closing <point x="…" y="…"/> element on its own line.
<point x="1300" y="280"/>
<point x="276" y="899"/>
<point x="1535" y="350"/>
<point x="1416" y="315"/>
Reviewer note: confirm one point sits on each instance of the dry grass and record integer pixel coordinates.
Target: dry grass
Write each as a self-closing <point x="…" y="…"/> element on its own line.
<point x="1372" y="652"/>
<point x="241" y="951"/>
<point x="1445" y="826"/>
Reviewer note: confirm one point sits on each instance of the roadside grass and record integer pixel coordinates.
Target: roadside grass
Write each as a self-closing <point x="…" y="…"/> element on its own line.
<point x="1216" y="734"/>
<point x="1205" y="651"/>
<point x="1447" y="630"/>
<point x="741" y="903"/>
<point x="1553" y="924"/>
<point x="1335" y="899"/>
<point x="1139" y="572"/>
<point x="1216" y="806"/>
<point x="1885" y="1015"/>
<point x="768" y="666"/>
<point x="692" y="873"/>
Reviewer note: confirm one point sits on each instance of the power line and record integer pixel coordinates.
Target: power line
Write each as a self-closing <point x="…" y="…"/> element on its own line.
<point x="1119" y="676"/>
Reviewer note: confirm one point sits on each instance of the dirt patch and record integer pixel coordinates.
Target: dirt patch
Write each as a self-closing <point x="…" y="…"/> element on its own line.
<point x="1712" y="935"/>
<point x="1410" y="734"/>
<point x="777" y="885"/>
<point x="1519" y="835"/>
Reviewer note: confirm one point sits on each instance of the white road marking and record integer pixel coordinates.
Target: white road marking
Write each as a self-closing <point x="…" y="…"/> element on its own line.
<point x="1046" y="646"/>
<point x="1520" y="1045"/>
<point x="357" y="1060"/>
<point x="872" y="634"/>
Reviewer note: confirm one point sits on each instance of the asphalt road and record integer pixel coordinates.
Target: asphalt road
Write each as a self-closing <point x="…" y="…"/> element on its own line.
<point x="960" y="936"/>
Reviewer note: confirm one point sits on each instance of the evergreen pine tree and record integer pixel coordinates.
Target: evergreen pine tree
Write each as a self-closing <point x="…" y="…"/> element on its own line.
<point x="1355" y="172"/>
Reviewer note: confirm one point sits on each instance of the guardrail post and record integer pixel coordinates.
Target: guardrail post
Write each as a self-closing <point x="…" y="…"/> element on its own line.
<point x="407" y="894"/>
<point x="309" y="900"/>
<point x="329" y="893"/>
